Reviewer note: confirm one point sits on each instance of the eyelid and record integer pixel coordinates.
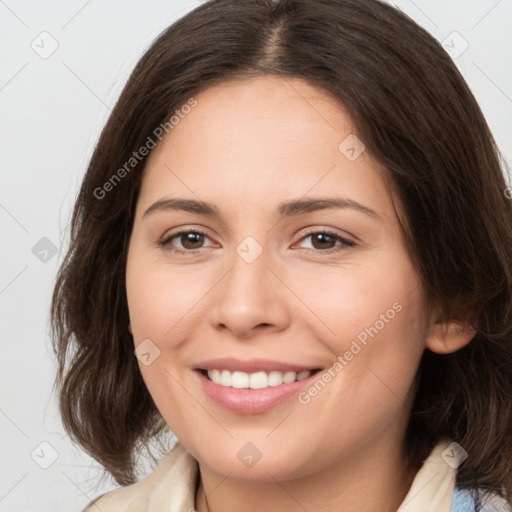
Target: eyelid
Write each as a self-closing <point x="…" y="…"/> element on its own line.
<point x="331" y="231"/>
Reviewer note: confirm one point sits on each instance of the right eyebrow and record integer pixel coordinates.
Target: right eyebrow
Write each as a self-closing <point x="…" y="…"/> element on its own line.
<point x="187" y="205"/>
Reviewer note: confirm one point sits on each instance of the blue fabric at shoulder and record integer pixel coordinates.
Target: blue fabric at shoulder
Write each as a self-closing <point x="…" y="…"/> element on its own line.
<point x="463" y="502"/>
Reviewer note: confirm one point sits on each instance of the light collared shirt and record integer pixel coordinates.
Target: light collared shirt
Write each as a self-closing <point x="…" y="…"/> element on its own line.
<point x="171" y="487"/>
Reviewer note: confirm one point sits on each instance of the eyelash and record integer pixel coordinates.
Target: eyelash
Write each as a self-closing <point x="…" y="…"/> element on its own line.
<point x="165" y="242"/>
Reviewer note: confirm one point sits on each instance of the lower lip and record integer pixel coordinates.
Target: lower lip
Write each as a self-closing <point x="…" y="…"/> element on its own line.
<point x="252" y="401"/>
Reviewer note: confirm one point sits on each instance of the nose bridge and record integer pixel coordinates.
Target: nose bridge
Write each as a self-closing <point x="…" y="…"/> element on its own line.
<point x="247" y="282"/>
<point x="247" y="296"/>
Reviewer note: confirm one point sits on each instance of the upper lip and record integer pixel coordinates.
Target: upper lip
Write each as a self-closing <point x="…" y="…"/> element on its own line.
<point x="251" y="365"/>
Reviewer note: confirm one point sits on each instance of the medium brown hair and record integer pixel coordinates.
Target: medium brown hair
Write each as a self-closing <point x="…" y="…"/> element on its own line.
<point x="416" y="116"/>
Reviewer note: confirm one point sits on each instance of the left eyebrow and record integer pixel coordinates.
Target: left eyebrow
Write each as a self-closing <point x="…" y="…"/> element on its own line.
<point x="187" y="205"/>
<point x="285" y="209"/>
<point x="291" y="208"/>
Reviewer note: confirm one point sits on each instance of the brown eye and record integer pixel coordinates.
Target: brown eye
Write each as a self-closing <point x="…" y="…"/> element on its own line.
<point x="323" y="241"/>
<point x="327" y="241"/>
<point x="190" y="241"/>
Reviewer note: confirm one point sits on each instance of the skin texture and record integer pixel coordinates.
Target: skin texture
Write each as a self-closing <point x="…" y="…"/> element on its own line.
<point x="247" y="146"/>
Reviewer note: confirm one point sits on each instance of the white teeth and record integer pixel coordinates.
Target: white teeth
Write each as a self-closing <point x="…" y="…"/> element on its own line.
<point x="289" y="377"/>
<point x="275" y="378"/>
<point x="303" y="375"/>
<point x="225" y="378"/>
<point x="239" y="380"/>
<point x="258" y="380"/>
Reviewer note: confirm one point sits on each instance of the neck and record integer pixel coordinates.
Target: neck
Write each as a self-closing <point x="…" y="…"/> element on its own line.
<point x="376" y="479"/>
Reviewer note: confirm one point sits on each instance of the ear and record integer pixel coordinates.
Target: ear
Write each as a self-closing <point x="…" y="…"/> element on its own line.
<point x="448" y="337"/>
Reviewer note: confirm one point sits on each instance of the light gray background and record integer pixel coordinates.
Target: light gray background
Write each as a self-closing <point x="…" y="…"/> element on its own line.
<point x="52" y="110"/>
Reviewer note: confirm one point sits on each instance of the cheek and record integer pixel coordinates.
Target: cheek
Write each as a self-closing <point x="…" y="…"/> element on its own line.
<point x="372" y="321"/>
<point x="163" y="300"/>
<point x="379" y="299"/>
<point x="161" y="304"/>
<point x="376" y="352"/>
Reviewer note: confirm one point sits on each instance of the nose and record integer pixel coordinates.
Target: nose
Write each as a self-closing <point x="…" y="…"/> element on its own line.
<point x="250" y="298"/>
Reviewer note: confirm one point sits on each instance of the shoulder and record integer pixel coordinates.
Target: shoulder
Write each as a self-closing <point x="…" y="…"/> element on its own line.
<point x="173" y="481"/>
<point x="463" y="502"/>
<point x="129" y="498"/>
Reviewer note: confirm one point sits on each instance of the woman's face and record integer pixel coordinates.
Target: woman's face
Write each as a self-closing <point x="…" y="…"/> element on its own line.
<point x="261" y="290"/>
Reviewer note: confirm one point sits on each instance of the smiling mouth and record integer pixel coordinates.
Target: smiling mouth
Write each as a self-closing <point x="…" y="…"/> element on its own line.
<point x="256" y="380"/>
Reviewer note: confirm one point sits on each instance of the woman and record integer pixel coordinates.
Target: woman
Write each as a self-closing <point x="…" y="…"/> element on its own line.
<point x="296" y="219"/>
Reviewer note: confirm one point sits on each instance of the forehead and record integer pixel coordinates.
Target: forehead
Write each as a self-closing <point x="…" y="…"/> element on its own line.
<point x="258" y="139"/>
